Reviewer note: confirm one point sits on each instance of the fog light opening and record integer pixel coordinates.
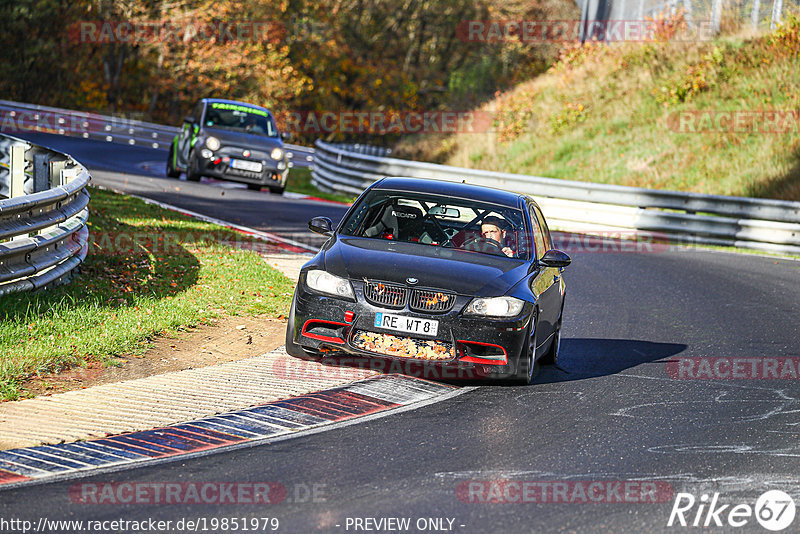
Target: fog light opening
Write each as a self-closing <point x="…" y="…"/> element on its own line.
<point x="329" y="331"/>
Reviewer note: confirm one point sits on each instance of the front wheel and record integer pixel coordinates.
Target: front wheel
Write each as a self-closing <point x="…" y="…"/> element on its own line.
<point x="254" y="187"/>
<point x="172" y="172"/>
<point x="277" y="190"/>
<point x="527" y="366"/>
<point x="191" y="170"/>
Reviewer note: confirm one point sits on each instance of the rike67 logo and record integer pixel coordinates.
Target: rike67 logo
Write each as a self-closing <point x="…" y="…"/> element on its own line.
<point x="774" y="510"/>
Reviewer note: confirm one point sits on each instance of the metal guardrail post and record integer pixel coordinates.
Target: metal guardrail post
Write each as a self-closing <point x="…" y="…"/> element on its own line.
<point x="56" y="168"/>
<point x="16" y="171"/>
<point x="41" y="172"/>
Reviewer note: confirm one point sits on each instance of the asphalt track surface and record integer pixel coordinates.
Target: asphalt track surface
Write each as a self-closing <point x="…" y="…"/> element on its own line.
<point x="611" y="412"/>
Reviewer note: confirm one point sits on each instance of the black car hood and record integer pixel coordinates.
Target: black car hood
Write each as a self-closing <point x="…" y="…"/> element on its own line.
<point x="466" y="273"/>
<point x="229" y="137"/>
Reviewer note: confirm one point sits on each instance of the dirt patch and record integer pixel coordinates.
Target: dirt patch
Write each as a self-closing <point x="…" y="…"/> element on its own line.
<point x="225" y="340"/>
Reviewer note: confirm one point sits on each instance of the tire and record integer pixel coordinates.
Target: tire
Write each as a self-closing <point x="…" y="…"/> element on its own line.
<point x="292" y="348"/>
<point x="254" y="187"/>
<point x="171" y="171"/>
<point x="277" y="190"/>
<point x="191" y="173"/>
<point x="527" y="365"/>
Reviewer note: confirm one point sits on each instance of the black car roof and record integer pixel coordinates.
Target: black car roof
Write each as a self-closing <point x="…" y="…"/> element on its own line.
<point x="453" y="189"/>
<point x="237" y="102"/>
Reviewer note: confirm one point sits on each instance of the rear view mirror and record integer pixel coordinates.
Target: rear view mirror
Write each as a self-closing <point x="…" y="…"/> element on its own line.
<point x="555" y="258"/>
<point x="441" y="211"/>
<point x="189" y="119"/>
<point x="321" y="225"/>
<point x="286" y="136"/>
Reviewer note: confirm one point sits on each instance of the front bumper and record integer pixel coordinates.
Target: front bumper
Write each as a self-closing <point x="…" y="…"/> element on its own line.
<point x="481" y="347"/>
<point x="273" y="173"/>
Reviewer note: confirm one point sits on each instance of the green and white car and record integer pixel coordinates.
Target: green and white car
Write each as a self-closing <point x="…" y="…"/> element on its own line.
<point x="230" y="140"/>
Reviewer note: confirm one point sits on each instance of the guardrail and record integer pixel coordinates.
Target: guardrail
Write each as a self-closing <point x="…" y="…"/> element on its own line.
<point x="760" y="224"/>
<point x="43" y="214"/>
<point x="18" y="117"/>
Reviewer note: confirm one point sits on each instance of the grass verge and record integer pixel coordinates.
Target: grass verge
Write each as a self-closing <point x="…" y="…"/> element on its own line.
<point x="150" y="272"/>
<point x="300" y="182"/>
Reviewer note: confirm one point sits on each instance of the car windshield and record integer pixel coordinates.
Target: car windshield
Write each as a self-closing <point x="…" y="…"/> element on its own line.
<point x="437" y="221"/>
<point x="241" y="119"/>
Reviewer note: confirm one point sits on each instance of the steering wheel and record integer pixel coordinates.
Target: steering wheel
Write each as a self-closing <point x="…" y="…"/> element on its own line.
<point x="480" y="240"/>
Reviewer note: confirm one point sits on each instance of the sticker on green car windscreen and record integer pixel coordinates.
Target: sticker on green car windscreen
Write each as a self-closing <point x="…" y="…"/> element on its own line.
<point x="237" y="107"/>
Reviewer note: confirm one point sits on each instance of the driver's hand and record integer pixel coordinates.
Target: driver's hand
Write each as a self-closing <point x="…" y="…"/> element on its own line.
<point x="508" y="252"/>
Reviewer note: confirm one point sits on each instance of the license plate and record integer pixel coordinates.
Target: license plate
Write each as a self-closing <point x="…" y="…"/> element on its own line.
<point x="411" y="325"/>
<point x="254" y="166"/>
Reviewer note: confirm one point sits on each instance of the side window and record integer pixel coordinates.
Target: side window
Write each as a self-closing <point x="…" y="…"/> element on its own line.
<point x="538" y="237"/>
<point x="548" y="241"/>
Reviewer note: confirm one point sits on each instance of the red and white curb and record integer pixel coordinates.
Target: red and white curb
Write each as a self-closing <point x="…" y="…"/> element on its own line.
<point x="322" y="410"/>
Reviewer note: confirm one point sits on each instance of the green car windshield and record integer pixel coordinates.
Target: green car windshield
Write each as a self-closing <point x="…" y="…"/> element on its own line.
<point x="437" y="221"/>
<point x="240" y="119"/>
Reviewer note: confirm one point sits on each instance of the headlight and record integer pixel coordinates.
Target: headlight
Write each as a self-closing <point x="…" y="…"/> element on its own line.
<point x="277" y="153"/>
<point x="212" y="143"/>
<point x="495" y="307"/>
<point x="325" y="282"/>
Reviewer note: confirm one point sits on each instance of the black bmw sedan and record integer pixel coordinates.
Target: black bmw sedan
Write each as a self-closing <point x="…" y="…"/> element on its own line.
<point x="233" y="141"/>
<point x="453" y="275"/>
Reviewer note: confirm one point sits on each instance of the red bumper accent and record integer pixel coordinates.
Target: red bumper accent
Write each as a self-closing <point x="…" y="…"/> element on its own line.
<point x="476" y="359"/>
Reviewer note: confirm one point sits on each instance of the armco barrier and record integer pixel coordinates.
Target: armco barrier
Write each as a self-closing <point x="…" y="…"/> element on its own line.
<point x="761" y="224"/>
<point x="43" y="214"/>
<point x="17" y="117"/>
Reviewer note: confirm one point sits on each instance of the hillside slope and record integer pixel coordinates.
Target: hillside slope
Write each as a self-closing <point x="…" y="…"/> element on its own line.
<point x="720" y="116"/>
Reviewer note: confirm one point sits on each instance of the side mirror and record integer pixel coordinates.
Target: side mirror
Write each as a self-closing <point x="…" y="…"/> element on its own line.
<point x="286" y="136"/>
<point x="189" y="119"/>
<point x="321" y="225"/>
<point x="555" y="258"/>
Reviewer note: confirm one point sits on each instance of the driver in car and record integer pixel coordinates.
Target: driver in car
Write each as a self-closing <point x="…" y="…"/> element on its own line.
<point x="251" y="125"/>
<point x="493" y="229"/>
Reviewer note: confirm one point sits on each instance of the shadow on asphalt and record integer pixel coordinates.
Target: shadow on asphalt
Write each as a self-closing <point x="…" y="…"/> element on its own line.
<point x="582" y="358"/>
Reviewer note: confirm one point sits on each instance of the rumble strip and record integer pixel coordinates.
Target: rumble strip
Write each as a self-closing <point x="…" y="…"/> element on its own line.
<point x="236" y="429"/>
